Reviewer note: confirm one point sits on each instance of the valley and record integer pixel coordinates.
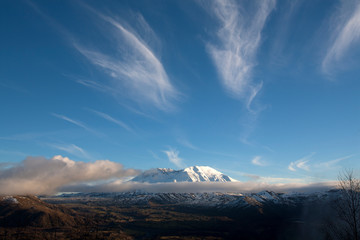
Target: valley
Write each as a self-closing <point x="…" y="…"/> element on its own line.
<point x="138" y="215"/>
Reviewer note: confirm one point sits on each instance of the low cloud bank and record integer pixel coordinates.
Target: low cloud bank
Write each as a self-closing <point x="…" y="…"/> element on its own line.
<point x="39" y="175"/>
<point x="183" y="187"/>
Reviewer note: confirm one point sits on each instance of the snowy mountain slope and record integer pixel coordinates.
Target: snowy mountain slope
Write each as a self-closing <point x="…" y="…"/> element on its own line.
<point x="190" y="174"/>
<point x="211" y="199"/>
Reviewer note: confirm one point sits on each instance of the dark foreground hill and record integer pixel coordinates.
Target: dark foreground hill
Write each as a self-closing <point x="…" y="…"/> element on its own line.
<point x="28" y="217"/>
<point x="136" y="215"/>
<point x="23" y="211"/>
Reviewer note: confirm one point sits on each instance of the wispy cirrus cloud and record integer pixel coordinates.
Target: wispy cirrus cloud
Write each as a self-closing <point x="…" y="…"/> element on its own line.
<point x="257" y="160"/>
<point x="96" y="85"/>
<point x="133" y="68"/>
<point x="75" y="122"/>
<point x="173" y="156"/>
<point x="302" y="163"/>
<point x="26" y="136"/>
<point x="113" y="120"/>
<point x="346" y="33"/>
<point x="14" y="87"/>
<point x="72" y="149"/>
<point x="332" y="163"/>
<point x="16" y="153"/>
<point x="238" y="40"/>
<point x="187" y="143"/>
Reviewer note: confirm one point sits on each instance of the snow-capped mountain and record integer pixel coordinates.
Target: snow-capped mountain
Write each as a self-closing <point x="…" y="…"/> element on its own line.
<point x="190" y="174"/>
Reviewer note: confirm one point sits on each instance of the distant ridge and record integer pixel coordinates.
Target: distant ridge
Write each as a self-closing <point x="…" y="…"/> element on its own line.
<point x="190" y="174"/>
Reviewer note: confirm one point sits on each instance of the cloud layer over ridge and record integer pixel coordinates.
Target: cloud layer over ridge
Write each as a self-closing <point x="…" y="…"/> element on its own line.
<point x="39" y="175"/>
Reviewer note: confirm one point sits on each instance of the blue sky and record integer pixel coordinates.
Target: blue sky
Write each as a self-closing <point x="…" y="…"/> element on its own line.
<point x="260" y="90"/>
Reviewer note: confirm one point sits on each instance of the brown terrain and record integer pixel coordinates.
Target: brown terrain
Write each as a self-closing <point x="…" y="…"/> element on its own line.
<point x="28" y="217"/>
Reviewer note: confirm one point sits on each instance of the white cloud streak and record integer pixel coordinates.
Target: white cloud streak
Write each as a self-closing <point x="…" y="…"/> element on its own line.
<point x="75" y="122"/>
<point x="72" y="149"/>
<point x="38" y="175"/>
<point x="190" y="145"/>
<point x="97" y="86"/>
<point x="346" y="33"/>
<point x="113" y="120"/>
<point x="239" y="37"/>
<point x="173" y="156"/>
<point x="258" y="162"/>
<point x="291" y="167"/>
<point x="17" y="153"/>
<point x="332" y="163"/>
<point x="133" y="68"/>
<point x="301" y="164"/>
<point x="187" y="143"/>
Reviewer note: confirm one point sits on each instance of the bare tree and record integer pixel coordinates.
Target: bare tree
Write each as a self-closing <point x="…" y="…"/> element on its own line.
<point x="347" y="206"/>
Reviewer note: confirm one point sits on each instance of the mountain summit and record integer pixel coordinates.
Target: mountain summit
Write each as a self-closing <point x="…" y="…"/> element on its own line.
<point x="190" y="174"/>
